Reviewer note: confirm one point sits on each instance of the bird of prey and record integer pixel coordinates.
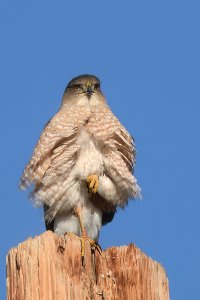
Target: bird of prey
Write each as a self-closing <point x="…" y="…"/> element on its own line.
<point x="82" y="165"/>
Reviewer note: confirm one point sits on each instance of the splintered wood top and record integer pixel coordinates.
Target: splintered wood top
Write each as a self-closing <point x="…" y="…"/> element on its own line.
<point x="49" y="267"/>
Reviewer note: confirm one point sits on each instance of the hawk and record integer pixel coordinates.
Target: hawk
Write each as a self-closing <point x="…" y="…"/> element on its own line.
<point x="81" y="168"/>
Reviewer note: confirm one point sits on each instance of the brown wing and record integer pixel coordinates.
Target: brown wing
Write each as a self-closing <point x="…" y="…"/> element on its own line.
<point x="58" y="137"/>
<point x="118" y="148"/>
<point x="106" y="127"/>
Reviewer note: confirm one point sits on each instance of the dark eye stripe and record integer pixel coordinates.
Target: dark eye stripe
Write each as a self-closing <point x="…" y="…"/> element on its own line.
<point x="97" y="86"/>
<point x="76" y="86"/>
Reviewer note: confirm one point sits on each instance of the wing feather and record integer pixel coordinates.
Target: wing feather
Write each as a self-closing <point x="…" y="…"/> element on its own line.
<point x="57" y="137"/>
<point x="118" y="148"/>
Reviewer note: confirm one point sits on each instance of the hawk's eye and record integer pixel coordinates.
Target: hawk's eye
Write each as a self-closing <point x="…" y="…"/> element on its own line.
<point x="76" y="87"/>
<point x="97" y="86"/>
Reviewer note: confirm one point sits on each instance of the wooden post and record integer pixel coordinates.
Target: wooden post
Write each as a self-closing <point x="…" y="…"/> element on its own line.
<point x="49" y="267"/>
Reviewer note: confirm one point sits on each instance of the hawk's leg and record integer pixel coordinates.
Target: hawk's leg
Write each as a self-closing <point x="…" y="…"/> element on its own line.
<point x="93" y="243"/>
<point x="93" y="183"/>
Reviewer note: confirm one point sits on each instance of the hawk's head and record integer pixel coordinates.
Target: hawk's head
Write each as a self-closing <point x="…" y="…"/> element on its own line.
<point x="84" y="88"/>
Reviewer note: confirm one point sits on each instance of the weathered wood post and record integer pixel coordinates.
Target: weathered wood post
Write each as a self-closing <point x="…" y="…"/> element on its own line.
<point x="49" y="267"/>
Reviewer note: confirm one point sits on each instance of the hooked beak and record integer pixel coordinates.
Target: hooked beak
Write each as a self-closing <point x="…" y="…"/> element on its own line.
<point x="89" y="89"/>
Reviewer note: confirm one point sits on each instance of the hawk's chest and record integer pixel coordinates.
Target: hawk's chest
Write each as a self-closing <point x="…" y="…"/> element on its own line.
<point x="90" y="158"/>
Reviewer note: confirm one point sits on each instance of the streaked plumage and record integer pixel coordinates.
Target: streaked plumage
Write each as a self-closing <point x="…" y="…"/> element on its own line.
<point x="83" y="138"/>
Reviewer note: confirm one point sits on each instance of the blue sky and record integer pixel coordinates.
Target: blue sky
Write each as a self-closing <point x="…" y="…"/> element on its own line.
<point x="146" y="54"/>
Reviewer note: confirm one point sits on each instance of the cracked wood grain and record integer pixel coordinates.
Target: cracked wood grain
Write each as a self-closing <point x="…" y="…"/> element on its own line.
<point x="49" y="267"/>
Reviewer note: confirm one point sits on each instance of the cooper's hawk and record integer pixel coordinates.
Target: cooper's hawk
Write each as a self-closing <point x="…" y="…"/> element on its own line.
<point x="82" y="165"/>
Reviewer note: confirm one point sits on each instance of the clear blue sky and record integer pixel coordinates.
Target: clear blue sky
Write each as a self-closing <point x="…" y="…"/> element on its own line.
<point x="147" y="54"/>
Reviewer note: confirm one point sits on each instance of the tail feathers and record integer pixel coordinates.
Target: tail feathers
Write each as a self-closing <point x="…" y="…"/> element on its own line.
<point x="107" y="217"/>
<point x="49" y="225"/>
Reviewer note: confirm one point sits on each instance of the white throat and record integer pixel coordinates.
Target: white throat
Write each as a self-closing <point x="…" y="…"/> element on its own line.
<point x="92" y="101"/>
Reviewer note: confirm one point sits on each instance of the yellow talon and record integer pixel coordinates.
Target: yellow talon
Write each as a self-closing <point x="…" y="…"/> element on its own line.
<point x="93" y="244"/>
<point x="93" y="183"/>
